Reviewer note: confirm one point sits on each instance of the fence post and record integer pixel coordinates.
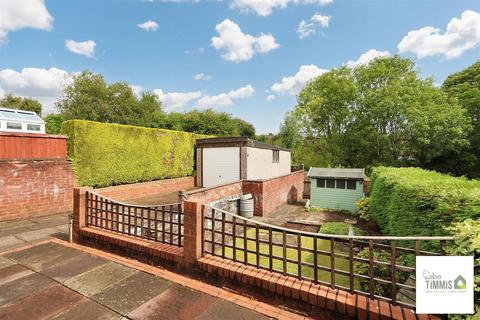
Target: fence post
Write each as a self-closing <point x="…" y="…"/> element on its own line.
<point x="79" y="212"/>
<point x="192" y="230"/>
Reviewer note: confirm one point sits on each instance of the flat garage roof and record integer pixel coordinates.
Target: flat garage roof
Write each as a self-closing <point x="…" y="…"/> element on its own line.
<point x="235" y="142"/>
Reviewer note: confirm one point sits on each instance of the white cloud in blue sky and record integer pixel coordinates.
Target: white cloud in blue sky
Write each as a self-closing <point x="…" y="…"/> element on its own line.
<point x="28" y="14"/>
<point x="261" y="53"/>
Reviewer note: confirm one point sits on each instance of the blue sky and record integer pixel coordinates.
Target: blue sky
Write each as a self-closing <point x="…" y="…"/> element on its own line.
<point x="243" y="48"/>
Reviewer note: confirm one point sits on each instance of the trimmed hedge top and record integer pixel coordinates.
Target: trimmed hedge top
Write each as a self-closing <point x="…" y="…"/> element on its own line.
<point x="413" y="201"/>
<point x="105" y="154"/>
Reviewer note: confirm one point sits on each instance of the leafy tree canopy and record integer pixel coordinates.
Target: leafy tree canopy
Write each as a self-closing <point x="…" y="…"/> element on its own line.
<point x="379" y="113"/>
<point x="13" y="102"/>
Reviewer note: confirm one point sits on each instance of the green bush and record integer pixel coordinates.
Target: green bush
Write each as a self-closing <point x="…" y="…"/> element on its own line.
<point x="417" y="202"/>
<point x="467" y="243"/>
<point x="340" y="228"/>
<point x="106" y="154"/>
<point x="363" y="208"/>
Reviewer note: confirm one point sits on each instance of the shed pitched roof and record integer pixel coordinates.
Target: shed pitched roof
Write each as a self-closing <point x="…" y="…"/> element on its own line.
<point x="348" y="173"/>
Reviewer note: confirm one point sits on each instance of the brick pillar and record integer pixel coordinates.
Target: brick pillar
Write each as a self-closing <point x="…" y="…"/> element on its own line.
<point x="192" y="242"/>
<point x="79" y="214"/>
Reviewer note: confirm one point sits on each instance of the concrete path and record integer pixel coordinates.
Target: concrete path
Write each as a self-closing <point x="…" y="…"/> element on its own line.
<point x="54" y="281"/>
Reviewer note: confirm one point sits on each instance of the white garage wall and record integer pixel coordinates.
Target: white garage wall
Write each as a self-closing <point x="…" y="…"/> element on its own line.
<point x="261" y="166"/>
<point x="220" y="165"/>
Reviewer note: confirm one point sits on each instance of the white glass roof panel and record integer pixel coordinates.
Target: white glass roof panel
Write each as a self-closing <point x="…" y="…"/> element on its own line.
<point x="30" y="116"/>
<point x="10" y="115"/>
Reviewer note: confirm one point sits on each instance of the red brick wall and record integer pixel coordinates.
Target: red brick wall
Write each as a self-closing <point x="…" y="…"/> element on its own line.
<point x="207" y="195"/>
<point x="281" y="190"/>
<point x="268" y="195"/>
<point x="32" y="146"/>
<point x="143" y="189"/>
<point x="35" y="187"/>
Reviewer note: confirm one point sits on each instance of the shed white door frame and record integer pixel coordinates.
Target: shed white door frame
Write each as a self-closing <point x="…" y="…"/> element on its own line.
<point x="220" y="165"/>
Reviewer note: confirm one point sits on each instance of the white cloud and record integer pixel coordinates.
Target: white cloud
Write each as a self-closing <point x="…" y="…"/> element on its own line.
<point x="307" y="28"/>
<point x="294" y="84"/>
<point x="45" y="85"/>
<point x="84" y="48"/>
<point x="28" y="14"/>
<point x="238" y="46"/>
<point x="225" y="99"/>
<point x="270" y="97"/>
<point x="202" y="76"/>
<point x="137" y="90"/>
<point x="149" y="25"/>
<point x="265" y="7"/>
<point x="461" y="34"/>
<point x="176" y="100"/>
<point x="366" y="57"/>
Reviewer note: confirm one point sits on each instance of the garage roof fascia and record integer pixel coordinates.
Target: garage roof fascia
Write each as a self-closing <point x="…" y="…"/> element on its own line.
<point x="222" y="142"/>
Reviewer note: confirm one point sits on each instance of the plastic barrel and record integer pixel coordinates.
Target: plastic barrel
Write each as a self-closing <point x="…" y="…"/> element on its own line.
<point x="246" y="205"/>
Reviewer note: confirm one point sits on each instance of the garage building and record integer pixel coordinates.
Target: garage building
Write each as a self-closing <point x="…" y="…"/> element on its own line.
<point x="229" y="159"/>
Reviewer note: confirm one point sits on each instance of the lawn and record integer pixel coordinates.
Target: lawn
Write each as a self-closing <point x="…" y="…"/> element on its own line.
<point x="292" y="268"/>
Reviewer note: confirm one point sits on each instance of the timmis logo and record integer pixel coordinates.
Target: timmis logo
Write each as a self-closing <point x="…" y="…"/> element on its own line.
<point x="435" y="282"/>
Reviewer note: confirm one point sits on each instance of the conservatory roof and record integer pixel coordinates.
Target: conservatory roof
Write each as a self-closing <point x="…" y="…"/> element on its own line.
<point x="346" y="173"/>
<point x="20" y="115"/>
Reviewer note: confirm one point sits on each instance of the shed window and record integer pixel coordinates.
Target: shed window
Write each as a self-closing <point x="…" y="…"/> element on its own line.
<point x="351" y="184"/>
<point x="320" y="183"/>
<point x="14" y="125"/>
<point x="275" y="155"/>
<point x="341" y="183"/>
<point x="33" y="127"/>
<point x="330" y="183"/>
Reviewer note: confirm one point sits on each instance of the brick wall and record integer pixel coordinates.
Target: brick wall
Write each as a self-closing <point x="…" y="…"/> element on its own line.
<point x="143" y="189"/>
<point x="268" y="194"/>
<point x="34" y="187"/>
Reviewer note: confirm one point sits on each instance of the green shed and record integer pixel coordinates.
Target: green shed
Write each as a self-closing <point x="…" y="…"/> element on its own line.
<point x="336" y="188"/>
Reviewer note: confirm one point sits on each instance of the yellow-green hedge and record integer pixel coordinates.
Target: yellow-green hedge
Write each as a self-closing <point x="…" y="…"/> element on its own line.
<point x="105" y="154"/>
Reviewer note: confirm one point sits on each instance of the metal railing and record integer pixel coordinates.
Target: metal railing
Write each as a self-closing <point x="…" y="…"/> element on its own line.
<point x="375" y="266"/>
<point x="161" y="223"/>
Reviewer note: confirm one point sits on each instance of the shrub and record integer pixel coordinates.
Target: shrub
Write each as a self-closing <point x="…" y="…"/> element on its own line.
<point x="340" y="228"/>
<point x="413" y="201"/>
<point x="363" y="208"/>
<point x="106" y="154"/>
<point x="466" y="243"/>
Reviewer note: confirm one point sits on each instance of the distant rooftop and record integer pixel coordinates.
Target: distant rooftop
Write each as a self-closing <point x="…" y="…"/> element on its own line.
<point x="347" y="173"/>
<point x="236" y="141"/>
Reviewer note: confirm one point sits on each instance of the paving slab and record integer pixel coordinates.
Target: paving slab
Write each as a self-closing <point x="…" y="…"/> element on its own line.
<point x="22" y="287"/>
<point x="68" y="268"/>
<point x="87" y="309"/>
<point x="4" y="262"/>
<point x="96" y="280"/>
<point x="177" y="302"/>
<point x="220" y="308"/>
<point x="131" y="292"/>
<point x="12" y="273"/>
<point x="40" y="234"/>
<point x="42" y="256"/>
<point x="43" y="304"/>
<point x="10" y="242"/>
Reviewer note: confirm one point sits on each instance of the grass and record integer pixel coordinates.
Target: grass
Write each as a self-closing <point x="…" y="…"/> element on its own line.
<point x="292" y="268"/>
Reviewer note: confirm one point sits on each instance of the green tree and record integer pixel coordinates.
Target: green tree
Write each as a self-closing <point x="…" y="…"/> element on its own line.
<point x="379" y="113"/>
<point x="89" y="97"/>
<point x="13" y="102"/>
<point x="53" y="123"/>
<point x="465" y="86"/>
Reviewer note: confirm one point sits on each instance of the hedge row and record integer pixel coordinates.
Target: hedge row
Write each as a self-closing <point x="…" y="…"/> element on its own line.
<point x="413" y="201"/>
<point x="106" y="154"/>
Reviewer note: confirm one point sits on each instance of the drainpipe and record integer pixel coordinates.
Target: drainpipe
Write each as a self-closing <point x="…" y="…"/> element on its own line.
<point x="70" y="228"/>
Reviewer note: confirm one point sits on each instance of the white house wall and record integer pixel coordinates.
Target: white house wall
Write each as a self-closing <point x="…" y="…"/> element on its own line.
<point x="261" y="166"/>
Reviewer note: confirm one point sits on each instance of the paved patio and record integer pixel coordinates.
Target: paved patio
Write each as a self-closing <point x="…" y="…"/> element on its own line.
<point x="54" y="281"/>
